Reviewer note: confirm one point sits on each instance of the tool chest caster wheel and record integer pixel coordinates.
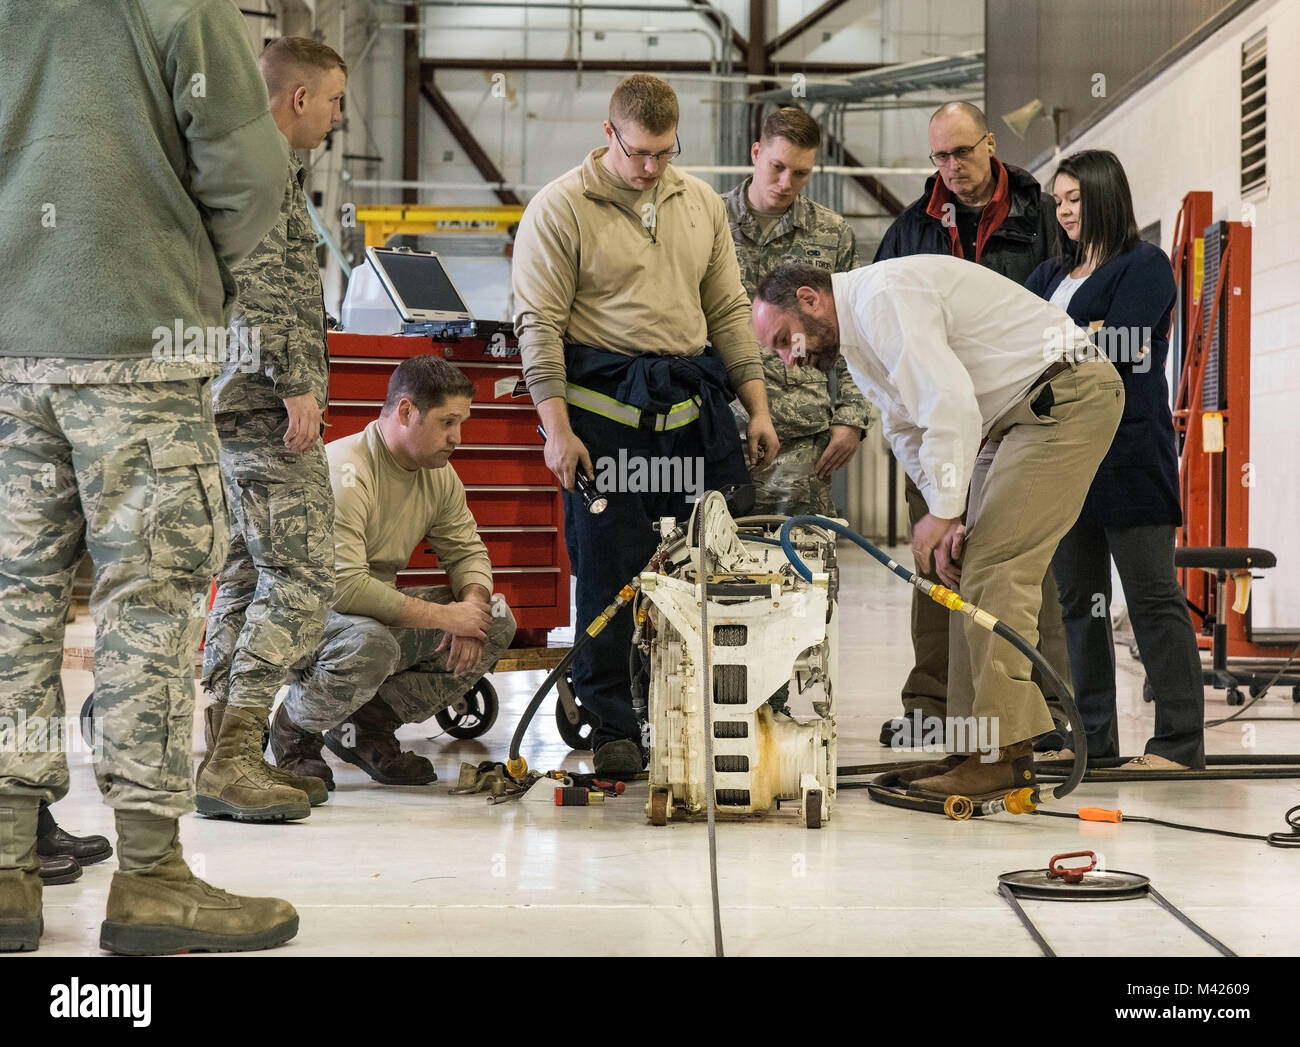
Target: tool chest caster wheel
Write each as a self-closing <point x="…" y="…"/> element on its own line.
<point x="576" y="736"/>
<point x="473" y="715"/>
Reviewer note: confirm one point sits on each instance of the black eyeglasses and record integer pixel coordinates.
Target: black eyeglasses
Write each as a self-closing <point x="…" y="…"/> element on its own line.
<point x="667" y="156"/>
<point x="962" y="152"/>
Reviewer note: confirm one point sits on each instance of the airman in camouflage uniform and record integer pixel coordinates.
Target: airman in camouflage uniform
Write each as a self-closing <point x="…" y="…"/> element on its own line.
<point x="274" y="592"/>
<point x="803" y="407"/>
<point x="107" y="442"/>
<point x="803" y="411"/>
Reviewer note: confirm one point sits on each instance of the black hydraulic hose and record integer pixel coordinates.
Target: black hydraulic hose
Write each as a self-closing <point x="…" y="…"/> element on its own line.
<point x="516" y="766"/>
<point x="1276" y="839"/>
<point x="947" y="598"/>
<point x="551" y="679"/>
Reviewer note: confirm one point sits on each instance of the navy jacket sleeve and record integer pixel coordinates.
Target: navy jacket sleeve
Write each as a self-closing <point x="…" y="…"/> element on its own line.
<point x="1142" y="298"/>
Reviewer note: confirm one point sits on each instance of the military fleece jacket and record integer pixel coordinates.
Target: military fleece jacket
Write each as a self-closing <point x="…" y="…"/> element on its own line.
<point x="138" y="163"/>
<point x="590" y="270"/>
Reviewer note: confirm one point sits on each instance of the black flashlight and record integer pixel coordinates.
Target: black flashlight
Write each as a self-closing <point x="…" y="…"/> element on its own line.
<point x="593" y="499"/>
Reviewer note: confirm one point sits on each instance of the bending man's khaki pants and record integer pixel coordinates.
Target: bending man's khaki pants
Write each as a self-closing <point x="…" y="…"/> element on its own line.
<point x="926" y="687"/>
<point x="1027" y="488"/>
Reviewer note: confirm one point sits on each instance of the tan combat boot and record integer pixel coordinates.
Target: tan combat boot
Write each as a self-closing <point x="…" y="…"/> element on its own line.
<point x="156" y="905"/>
<point x="21" y="924"/>
<point x="317" y="790"/>
<point x="236" y="782"/>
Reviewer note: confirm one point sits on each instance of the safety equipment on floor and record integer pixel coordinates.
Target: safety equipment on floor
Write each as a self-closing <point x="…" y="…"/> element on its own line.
<point x="1086" y="883"/>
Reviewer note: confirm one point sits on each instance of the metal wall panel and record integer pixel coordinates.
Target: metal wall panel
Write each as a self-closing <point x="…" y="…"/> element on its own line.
<point x="1053" y="50"/>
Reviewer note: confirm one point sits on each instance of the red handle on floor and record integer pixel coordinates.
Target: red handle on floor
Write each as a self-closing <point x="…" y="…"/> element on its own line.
<point x="1075" y="874"/>
<point x="1100" y="814"/>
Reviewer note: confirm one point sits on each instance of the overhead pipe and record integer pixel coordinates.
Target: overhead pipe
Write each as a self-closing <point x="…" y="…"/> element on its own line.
<point x="696" y="169"/>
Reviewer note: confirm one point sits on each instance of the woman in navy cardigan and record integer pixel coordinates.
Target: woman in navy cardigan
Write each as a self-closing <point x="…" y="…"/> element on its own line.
<point x="1109" y="280"/>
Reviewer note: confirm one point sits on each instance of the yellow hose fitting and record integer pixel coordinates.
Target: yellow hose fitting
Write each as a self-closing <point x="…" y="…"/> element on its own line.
<point x="959" y="808"/>
<point x="517" y="768"/>
<point x="1021" y="802"/>
<point x="945" y="597"/>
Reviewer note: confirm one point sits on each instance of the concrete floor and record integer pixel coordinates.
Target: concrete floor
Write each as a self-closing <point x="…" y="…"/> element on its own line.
<point x="415" y="871"/>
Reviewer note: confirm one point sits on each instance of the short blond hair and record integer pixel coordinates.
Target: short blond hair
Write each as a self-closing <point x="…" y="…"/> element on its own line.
<point x="293" y="60"/>
<point x="794" y="125"/>
<point x="646" y="101"/>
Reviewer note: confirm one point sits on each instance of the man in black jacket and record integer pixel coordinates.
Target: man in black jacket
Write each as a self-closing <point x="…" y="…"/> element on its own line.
<point x="978" y="208"/>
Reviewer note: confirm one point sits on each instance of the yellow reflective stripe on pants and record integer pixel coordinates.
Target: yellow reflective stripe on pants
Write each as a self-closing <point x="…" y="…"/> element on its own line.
<point x="678" y="415"/>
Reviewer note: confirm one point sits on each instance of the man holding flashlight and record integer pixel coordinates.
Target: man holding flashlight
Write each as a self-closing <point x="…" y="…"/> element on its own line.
<point x="635" y="335"/>
<point x="981" y="386"/>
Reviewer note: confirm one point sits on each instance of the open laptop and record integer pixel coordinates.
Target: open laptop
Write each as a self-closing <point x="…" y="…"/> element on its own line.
<point x="424" y="295"/>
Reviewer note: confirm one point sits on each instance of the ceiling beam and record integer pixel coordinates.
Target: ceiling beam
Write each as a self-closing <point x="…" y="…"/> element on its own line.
<point x="711" y="13"/>
<point x="756" y="60"/>
<point x="411" y="106"/>
<point x="630" y="65"/>
<point x="803" y="25"/>
<point x="869" y="184"/>
<point x="463" y="135"/>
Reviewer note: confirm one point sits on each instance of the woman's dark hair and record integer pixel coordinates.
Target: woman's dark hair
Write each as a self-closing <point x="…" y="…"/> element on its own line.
<point x="1106" y="222"/>
<point x="427" y="381"/>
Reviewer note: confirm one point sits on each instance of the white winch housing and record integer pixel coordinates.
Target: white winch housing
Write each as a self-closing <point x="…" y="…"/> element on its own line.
<point x="783" y="633"/>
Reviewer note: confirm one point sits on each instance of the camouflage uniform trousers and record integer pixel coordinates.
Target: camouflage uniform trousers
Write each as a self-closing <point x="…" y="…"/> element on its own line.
<point x="274" y="593"/>
<point x="360" y="657"/>
<point x="790" y="485"/>
<point x="805" y="404"/>
<point x="127" y="471"/>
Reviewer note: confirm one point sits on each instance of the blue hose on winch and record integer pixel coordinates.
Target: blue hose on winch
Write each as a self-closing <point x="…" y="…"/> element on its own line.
<point x="945" y="597"/>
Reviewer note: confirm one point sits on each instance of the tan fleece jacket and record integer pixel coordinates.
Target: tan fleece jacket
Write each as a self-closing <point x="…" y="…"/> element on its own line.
<point x="591" y="269"/>
<point x="381" y="512"/>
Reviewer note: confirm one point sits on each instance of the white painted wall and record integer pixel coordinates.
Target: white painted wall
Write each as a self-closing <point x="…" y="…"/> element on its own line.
<point x="1181" y="133"/>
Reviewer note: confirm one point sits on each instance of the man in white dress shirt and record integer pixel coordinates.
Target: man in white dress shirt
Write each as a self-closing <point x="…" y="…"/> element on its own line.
<point x="981" y="386"/>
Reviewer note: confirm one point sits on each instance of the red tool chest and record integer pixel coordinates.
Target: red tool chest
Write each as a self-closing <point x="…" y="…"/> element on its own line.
<point x="511" y="493"/>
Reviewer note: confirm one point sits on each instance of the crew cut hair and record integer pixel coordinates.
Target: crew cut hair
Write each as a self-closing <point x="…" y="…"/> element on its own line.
<point x="428" y="381"/>
<point x="290" y="61"/>
<point x="646" y="101"/>
<point x="794" y="125"/>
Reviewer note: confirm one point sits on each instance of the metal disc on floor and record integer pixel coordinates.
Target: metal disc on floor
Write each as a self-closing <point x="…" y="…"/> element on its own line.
<point x="1094" y="886"/>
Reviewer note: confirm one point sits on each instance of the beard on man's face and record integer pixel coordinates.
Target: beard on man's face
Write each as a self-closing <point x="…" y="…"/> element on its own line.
<point x="821" y="346"/>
